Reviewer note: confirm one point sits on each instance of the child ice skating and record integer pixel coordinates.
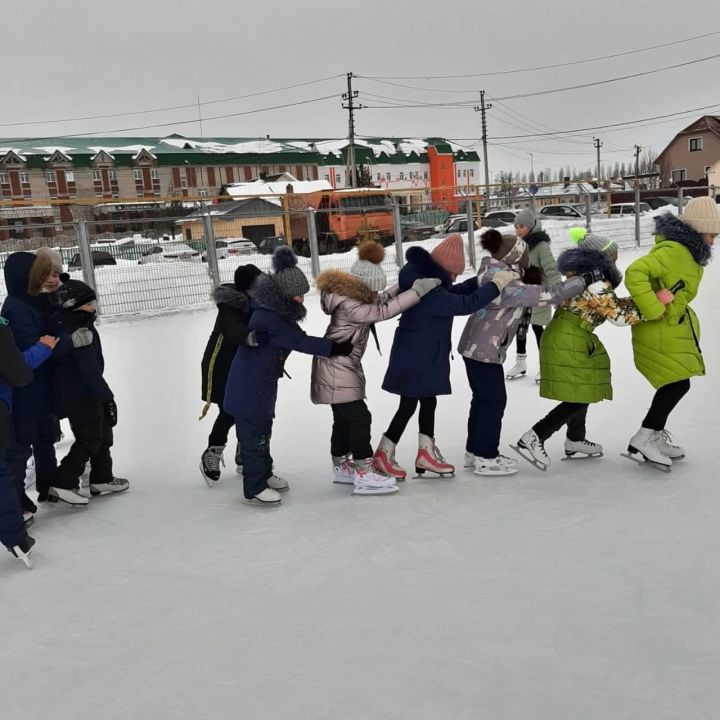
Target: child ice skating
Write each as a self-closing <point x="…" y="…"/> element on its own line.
<point x="667" y="347"/>
<point x="252" y="384"/>
<point x="419" y="368"/>
<point x="230" y="330"/>
<point x="352" y="301"/>
<point x="484" y="342"/>
<point x="575" y="368"/>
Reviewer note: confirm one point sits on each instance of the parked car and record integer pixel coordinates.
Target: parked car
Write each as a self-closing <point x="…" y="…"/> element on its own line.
<point x="627" y="209"/>
<point x="98" y="257"/>
<point x="230" y="247"/>
<point x="561" y="212"/>
<point x="657" y="202"/>
<point x="171" y="251"/>
<point x="268" y="244"/>
<point x="499" y="218"/>
<point x="456" y="224"/>
<point x="412" y="230"/>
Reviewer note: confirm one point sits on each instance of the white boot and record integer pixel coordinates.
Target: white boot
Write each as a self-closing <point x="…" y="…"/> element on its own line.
<point x="468" y="460"/>
<point x="115" y="485"/>
<point x="519" y="368"/>
<point x="343" y="470"/>
<point x="384" y="460"/>
<point x="583" y="448"/>
<point x="499" y="465"/>
<point x="663" y="441"/>
<point x="532" y="448"/>
<point x="71" y="497"/>
<point x="369" y="482"/>
<point x="267" y="498"/>
<point x="430" y="458"/>
<point x="645" y="442"/>
<point x="278" y="483"/>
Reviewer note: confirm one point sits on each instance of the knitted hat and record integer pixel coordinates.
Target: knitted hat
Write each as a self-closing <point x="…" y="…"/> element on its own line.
<point x="702" y="215"/>
<point x="73" y="294"/>
<point x="245" y="276"/>
<point x="367" y="267"/>
<point x="510" y="249"/>
<point x="593" y="241"/>
<point x="450" y="255"/>
<point x="528" y="218"/>
<point x="288" y="277"/>
<point x="46" y="261"/>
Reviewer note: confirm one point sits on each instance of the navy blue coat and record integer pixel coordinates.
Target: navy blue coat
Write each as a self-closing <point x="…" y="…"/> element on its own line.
<point x="26" y="315"/>
<point x="251" y="389"/>
<point x="420" y="356"/>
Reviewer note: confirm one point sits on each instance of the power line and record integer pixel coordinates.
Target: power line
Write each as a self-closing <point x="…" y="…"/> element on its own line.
<point x="540" y="67"/>
<point x="167" y="109"/>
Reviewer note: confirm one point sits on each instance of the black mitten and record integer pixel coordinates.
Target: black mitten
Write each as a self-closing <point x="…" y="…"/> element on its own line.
<point x="341" y="348"/>
<point x="592" y="276"/>
<point x="258" y="338"/>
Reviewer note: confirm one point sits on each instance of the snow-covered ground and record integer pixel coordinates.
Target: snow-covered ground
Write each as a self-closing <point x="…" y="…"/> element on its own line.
<point x="590" y="591"/>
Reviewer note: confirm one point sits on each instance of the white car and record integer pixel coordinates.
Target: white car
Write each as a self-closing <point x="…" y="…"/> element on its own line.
<point x="171" y="251"/>
<point x="628" y="209"/>
<point x="231" y="247"/>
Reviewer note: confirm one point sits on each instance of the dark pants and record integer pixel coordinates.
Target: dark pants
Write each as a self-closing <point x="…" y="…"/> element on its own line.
<point x="36" y="436"/>
<point x="220" y="429"/>
<point x="664" y="402"/>
<point x="351" y="430"/>
<point x="12" y="528"/>
<point x="522" y="338"/>
<point x="408" y="405"/>
<point x="566" y="413"/>
<point x="254" y="439"/>
<point x="487" y="407"/>
<point x="93" y="440"/>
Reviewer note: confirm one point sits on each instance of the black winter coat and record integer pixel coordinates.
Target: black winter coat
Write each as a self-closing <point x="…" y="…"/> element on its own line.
<point x="230" y="331"/>
<point x="77" y="376"/>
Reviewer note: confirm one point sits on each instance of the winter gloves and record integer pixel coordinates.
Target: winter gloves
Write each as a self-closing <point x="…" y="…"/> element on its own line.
<point x="111" y="413"/>
<point x="341" y="348"/>
<point x="258" y="338"/>
<point x="503" y="278"/>
<point x="422" y="286"/>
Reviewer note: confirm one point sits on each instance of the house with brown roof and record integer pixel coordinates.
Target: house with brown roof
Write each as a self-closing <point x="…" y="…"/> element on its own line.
<point x="692" y="152"/>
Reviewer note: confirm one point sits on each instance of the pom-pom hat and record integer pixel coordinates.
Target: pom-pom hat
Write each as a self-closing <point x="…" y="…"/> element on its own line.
<point x="288" y="277"/>
<point x="367" y="267"/>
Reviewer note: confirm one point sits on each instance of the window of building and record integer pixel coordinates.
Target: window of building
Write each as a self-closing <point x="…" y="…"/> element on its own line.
<point x="4" y="180"/>
<point x="49" y="176"/>
<point x="696" y="144"/>
<point x="387" y="175"/>
<point x="112" y="174"/>
<point x="154" y="175"/>
<point x="24" y="178"/>
<point x="338" y="179"/>
<point x="425" y="175"/>
<point x="183" y="183"/>
<point x="203" y="192"/>
<point x="70" y="176"/>
<point x="97" y="176"/>
<point x="379" y="177"/>
<point x="137" y="174"/>
<point x="327" y="178"/>
<point x="472" y="172"/>
<point x="679" y="175"/>
<point x="708" y="168"/>
<point x="401" y="176"/>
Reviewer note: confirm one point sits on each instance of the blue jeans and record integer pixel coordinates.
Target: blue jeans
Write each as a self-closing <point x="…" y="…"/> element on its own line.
<point x="254" y="440"/>
<point x="487" y="382"/>
<point x="12" y="528"/>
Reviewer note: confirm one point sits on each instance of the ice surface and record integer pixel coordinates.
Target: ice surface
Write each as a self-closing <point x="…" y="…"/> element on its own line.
<point x="587" y="592"/>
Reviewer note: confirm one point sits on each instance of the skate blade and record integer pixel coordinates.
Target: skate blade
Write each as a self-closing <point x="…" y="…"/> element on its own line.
<point x="642" y="460"/>
<point x="432" y="474"/>
<point x="515" y="377"/>
<point x="343" y="482"/>
<point x="55" y="500"/>
<point x="581" y="456"/>
<point x="208" y="481"/>
<point x="375" y="491"/>
<point x="259" y="503"/>
<point x="525" y="455"/>
<point x="96" y="493"/>
<point x="496" y="473"/>
<point x="27" y="560"/>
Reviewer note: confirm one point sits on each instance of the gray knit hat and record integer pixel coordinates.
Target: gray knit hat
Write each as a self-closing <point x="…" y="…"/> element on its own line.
<point x="593" y="241"/>
<point x="367" y="267"/>
<point x="288" y="277"/>
<point x="528" y="218"/>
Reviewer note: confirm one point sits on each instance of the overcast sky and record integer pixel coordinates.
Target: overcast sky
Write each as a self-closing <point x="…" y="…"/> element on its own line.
<point x="79" y="58"/>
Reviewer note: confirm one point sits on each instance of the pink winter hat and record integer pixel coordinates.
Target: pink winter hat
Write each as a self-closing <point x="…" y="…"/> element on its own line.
<point x="450" y="255"/>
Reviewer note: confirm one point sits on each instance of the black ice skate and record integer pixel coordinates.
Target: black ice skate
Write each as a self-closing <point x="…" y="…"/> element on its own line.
<point x="22" y="552"/>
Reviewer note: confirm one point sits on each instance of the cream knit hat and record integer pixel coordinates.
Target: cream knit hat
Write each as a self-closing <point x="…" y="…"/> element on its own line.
<point x="702" y="215"/>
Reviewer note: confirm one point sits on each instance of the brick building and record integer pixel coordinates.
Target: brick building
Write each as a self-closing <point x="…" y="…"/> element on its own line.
<point x="691" y="153"/>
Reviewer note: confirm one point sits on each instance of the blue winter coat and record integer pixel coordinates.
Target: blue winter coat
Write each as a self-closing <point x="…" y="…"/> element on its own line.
<point x="34" y="356"/>
<point x="420" y="356"/>
<point x="251" y="389"/>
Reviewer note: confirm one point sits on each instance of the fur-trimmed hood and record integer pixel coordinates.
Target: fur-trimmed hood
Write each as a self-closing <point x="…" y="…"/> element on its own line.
<point x="343" y="285"/>
<point x="580" y="260"/>
<point x="421" y="265"/>
<point x="673" y="228"/>
<point x="268" y="296"/>
<point x="537" y="237"/>
<point x="227" y="294"/>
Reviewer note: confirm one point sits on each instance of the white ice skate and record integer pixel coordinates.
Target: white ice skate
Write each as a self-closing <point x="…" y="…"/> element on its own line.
<point x="277" y="483"/>
<point x="115" y="485"/>
<point x="369" y="482"/>
<point x="28" y="518"/>
<point x="531" y="448"/>
<point x="210" y="463"/>
<point x="267" y="498"/>
<point x="468" y="461"/>
<point x="499" y="465"/>
<point x="23" y="552"/>
<point x="519" y="369"/>
<point x="582" y="450"/>
<point x="430" y="459"/>
<point x="384" y="460"/>
<point x="664" y="444"/>
<point x="644" y="450"/>
<point x="71" y="497"/>
<point x="343" y="470"/>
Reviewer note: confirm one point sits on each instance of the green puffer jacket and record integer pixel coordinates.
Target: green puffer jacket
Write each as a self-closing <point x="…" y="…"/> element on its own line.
<point x="667" y="346"/>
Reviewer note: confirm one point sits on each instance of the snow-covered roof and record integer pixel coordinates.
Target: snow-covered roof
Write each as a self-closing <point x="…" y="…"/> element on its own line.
<point x="270" y="189"/>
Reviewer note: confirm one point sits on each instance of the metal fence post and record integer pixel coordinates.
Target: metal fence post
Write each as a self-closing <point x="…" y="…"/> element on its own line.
<point x="88" y="268"/>
<point x="397" y="232"/>
<point x="680" y="201"/>
<point x="471" y="235"/>
<point x="637" y="212"/>
<point x="588" y="210"/>
<point x="211" y="251"/>
<point x="313" y="242"/>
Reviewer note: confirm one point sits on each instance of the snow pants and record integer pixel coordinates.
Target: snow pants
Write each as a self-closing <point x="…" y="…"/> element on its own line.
<point x="12" y="528"/>
<point x="254" y="439"/>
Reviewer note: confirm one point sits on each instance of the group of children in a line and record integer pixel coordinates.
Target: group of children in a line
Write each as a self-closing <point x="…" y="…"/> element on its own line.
<point x="51" y="367"/>
<point x="515" y="287"/>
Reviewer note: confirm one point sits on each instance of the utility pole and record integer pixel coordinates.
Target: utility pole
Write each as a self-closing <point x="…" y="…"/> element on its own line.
<point x="482" y="109"/>
<point x="200" y="116"/>
<point x="532" y="167"/>
<point x="637" y="194"/>
<point x="349" y="96"/>
<point x="598" y="145"/>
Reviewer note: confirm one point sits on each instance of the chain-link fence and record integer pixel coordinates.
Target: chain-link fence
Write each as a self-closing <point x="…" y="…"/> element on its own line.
<point x="170" y="263"/>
